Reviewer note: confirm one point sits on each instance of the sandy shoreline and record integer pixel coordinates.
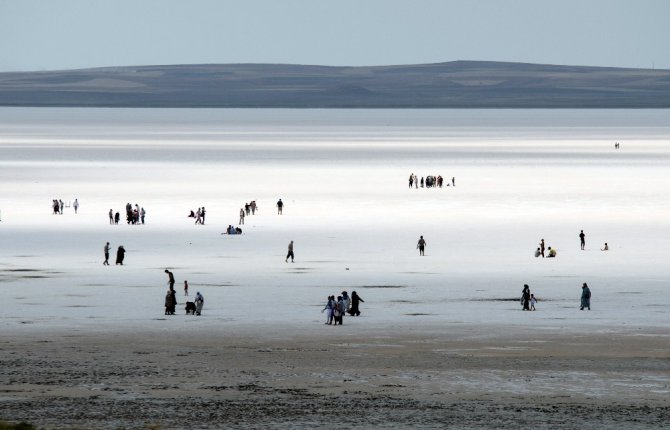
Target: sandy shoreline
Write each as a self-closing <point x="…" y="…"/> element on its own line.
<point x="278" y="376"/>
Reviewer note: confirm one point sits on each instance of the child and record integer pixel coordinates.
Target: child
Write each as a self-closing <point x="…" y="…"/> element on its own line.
<point x="186" y="288"/>
<point x="533" y="300"/>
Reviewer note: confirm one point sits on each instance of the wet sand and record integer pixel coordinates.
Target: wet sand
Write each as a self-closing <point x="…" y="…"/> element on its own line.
<point x="282" y="376"/>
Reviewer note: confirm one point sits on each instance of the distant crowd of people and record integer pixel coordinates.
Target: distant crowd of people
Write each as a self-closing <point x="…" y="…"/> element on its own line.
<point x="429" y="181"/>
<point x="336" y="308"/>
<point x="58" y="206"/>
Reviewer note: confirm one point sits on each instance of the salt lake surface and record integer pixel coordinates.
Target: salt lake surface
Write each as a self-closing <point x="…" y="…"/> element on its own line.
<point x="520" y="176"/>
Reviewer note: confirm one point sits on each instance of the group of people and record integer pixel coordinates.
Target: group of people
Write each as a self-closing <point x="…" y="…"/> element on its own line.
<point x="552" y="252"/>
<point x="193" y="308"/>
<point x="57" y="205"/>
<point x="528" y="300"/>
<point x="540" y="251"/>
<point x="120" y="255"/>
<point x="134" y="215"/>
<point x="199" y="215"/>
<point x="233" y="230"/>
<point x="336" y="308"/>
<point x="248" y="209"/>
<point x="429" y="181"/>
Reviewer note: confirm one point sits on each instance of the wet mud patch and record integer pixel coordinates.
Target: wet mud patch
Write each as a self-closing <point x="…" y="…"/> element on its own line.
<point x="418" y="314"/>
<point x="383" y="286"/>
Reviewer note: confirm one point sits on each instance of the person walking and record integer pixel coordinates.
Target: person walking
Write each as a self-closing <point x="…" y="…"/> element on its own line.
<point x="533" y="300"/>
<point x="290" y="253"/>
<point x="199" y="303"/>
<point x="355" y="301"/>
<point x="120" y="255"/>
<point x="241" y="216"/>
<point x="170" y="279"/>
<point x="198" y="216"/>
<point x="586" y="297"/>
<point x="525" y="297"/>
<point x="280" y="207"/>
<point x="582" y="239"/>
<point x="75" y="205"/>
<point x="107" y="248"/>
<point x="421" y="245"/>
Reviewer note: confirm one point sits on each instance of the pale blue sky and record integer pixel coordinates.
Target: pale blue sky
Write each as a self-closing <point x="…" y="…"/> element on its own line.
<point x="64" y="34"/>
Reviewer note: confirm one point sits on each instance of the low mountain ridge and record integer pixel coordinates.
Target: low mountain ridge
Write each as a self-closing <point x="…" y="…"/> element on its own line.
<point x="458" y="84"/>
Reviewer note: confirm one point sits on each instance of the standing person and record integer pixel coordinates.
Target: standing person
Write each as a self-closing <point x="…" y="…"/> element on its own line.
<point x="253" y="207"/>
<point x="120" y="255"/>
<point x="533" y="300"/>
<point x="422" y="182"/>
<point x="241" y="217"/>
<point x="198" y="216"/>
<point x="142" y="214"/>
<point x="186" y="288"/>
<point x="170" y="278"/>
<point x="338" y="310"/>
<point x="107" y="248"/>
<point x="280" y="207"/>
<point x="170" y="302"/>
<point x="525" y="297"/>
<point x="542" y="247"/>
<point x="62" y="206"/>
<point x="111" y="216"/>
<point x="75" y="205"/>
<point x="202" y="214"/>
<point x="117" y="217"/>
<point x="421" y="245"/>
<point x="582" y="239"/>
<point x="290" y="253"/>
<point x="329" y="307"/>
<point x="586" y="297"/>
<point x="411" y="180"/>
<point x="355" y="301"/>
<point x="199" y="302"/>
<point x="346" y="300"/>
<point x="453" y="181"/>
<point x="247" y="208"/>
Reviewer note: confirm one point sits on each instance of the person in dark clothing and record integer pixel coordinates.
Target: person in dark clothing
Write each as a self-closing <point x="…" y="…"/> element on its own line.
<point x="586" y="297"/>
<point x="120" y="255"/>
<point x="582" y="239"/>
<point x="542" y="247"/>
<point x="280" y="207"/>
<point x="107" y="248"/>
<point x="355" y="299"/>
<point x="170" y="279"/>
<point x="525" y="297"/>
<point x="170" y="302"/>
<point x="290" y="252"/>
<point x="421" y="245"/>
<point x="117" y="218"/>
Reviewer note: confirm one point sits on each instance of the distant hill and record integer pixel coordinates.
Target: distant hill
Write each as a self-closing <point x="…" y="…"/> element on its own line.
<point x="458" y="84"/>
